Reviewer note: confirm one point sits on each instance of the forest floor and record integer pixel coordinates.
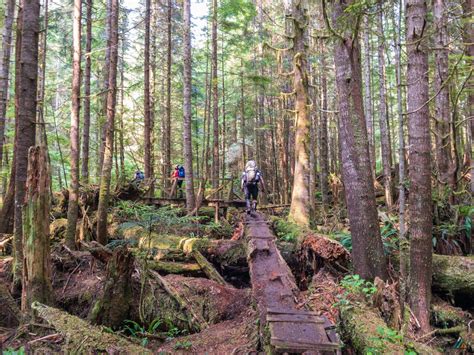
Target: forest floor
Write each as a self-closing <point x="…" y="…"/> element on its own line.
<point x="188" y="309"/>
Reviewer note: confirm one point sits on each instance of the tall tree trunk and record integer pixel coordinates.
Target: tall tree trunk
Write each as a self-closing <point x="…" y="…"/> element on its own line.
<point x="367" y="249"/>
<point x="420" y="222"/>
<point x="215" y="99"/>
<point x="73" y="205"/>
<point x="166" y="123"/>
<point x="300" y="210"/>
<point x="323" y="129"/>
<point x="104" y="189"/>
<point x="443" y="112"/>
<point x="368" y="96"/>
<point x="242" y="113"/>
<point x="5" y="53"/>
<point x="187" y="122"/>
<point x="404" y="243"/>
<point x="102" y="119"/>
<point x="37" y="256"/>
<point x="26" y="90"/>
<point x="87" y="96"/>
<point x="146" y="95"/>
<point x="468" y="36"/>
<point x="383" y="119"/>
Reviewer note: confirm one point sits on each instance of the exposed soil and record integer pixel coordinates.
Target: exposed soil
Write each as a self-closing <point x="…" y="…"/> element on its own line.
<point x="235" y="336"/>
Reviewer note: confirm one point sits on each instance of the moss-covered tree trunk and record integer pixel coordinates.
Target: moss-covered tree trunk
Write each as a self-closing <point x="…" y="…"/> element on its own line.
<point x="113" y="307"/>
<point x="300" y="209"/>
<point x="37" y="255"/>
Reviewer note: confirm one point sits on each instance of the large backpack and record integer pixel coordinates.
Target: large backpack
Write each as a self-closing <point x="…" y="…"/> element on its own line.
<point x="181" y="172"/>
<point x="251" y="172"/>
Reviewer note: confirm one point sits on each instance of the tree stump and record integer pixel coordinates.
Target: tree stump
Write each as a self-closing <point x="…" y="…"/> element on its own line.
<point x="36" y="259"/>
<point x="113" y="307"/>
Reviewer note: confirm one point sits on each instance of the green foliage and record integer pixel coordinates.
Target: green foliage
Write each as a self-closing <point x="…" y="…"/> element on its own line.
<point x="183" y="345"/>
<point x="11" y="351"/>
<point x="221" y="229"/>
<point x="387" y="335"/>
<point x="285" y="230"/>
<point x="356" y="284"/>
<point x="344" y="238"/>
<point x="388" y="233"/>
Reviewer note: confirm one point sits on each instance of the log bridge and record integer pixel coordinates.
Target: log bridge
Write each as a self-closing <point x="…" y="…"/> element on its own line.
<point x="284" y="327"/>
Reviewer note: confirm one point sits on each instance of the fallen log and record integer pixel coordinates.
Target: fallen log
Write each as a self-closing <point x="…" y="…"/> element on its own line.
<point x="208" y="269"/>
<point x="368" y="333"/>
<point x="84" y="337"/>
<point x="170" y="267"/>
<point x="454" y="276"/>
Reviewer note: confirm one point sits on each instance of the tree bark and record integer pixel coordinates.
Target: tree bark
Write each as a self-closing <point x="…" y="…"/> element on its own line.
<point x="26" y="91"/>
<point x="146" y="94"/>
<point x="383" y="118"/>
<point x="300" y="210"/>
<point x="468" y="36"/>
<point x="442" y="112"/>
<point x="104" y="190"/>
<point x="367" y="250"/>
<point x="404" y="244"/>
<point x="5" y="53"/>
<point x="187" y="109"/>
<point x="368" y="97"/>
<point x="102" y="125"/>
<point x="420" y="209"/>
<point x="87" y="96"/>
<point x="166" y="123"/>
<point x="73" y="205"/>
<point x="37" y="256"/>
<point x="215" y="99"/>
<point x="113" y="307"/>
<point x="323" y="144"/>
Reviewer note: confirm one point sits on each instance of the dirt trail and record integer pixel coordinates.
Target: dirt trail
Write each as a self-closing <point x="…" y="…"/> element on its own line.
<point x="275" y="291"/>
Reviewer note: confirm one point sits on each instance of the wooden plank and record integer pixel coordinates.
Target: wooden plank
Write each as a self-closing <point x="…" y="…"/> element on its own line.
<point x="298" y="345"/>
<point x="289" y="311"/>
<point x="293" y="318"/>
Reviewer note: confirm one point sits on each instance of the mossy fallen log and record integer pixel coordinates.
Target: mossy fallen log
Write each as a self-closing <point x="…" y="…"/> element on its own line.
<point x="454" y="276"/>
<point x="170" y="267"/>
<point x="208" y="269"/>
<point x="83" y="337"/>
<point x="368" y="333"/>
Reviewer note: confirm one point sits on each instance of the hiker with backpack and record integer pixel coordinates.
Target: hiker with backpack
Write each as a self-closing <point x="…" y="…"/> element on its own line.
<point x="251" y="178"/>
<point x="139" y="177"/>
<point x="179" y="175"/>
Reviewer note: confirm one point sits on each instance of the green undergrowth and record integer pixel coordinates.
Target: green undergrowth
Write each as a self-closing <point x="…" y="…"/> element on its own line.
<point x="137" y="218"/>
<point x="159" y="328"/>
<point x="285" y="230"/>
<point x="361" y="323"/>
<point x="388" y="232"/>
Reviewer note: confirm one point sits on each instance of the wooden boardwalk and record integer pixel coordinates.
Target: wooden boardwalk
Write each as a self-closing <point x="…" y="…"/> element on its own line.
<point x="212" y="202"/>
<point x="274" y="289"/>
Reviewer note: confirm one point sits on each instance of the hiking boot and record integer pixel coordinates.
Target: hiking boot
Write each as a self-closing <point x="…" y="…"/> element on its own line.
<point x="248" y="212"/>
